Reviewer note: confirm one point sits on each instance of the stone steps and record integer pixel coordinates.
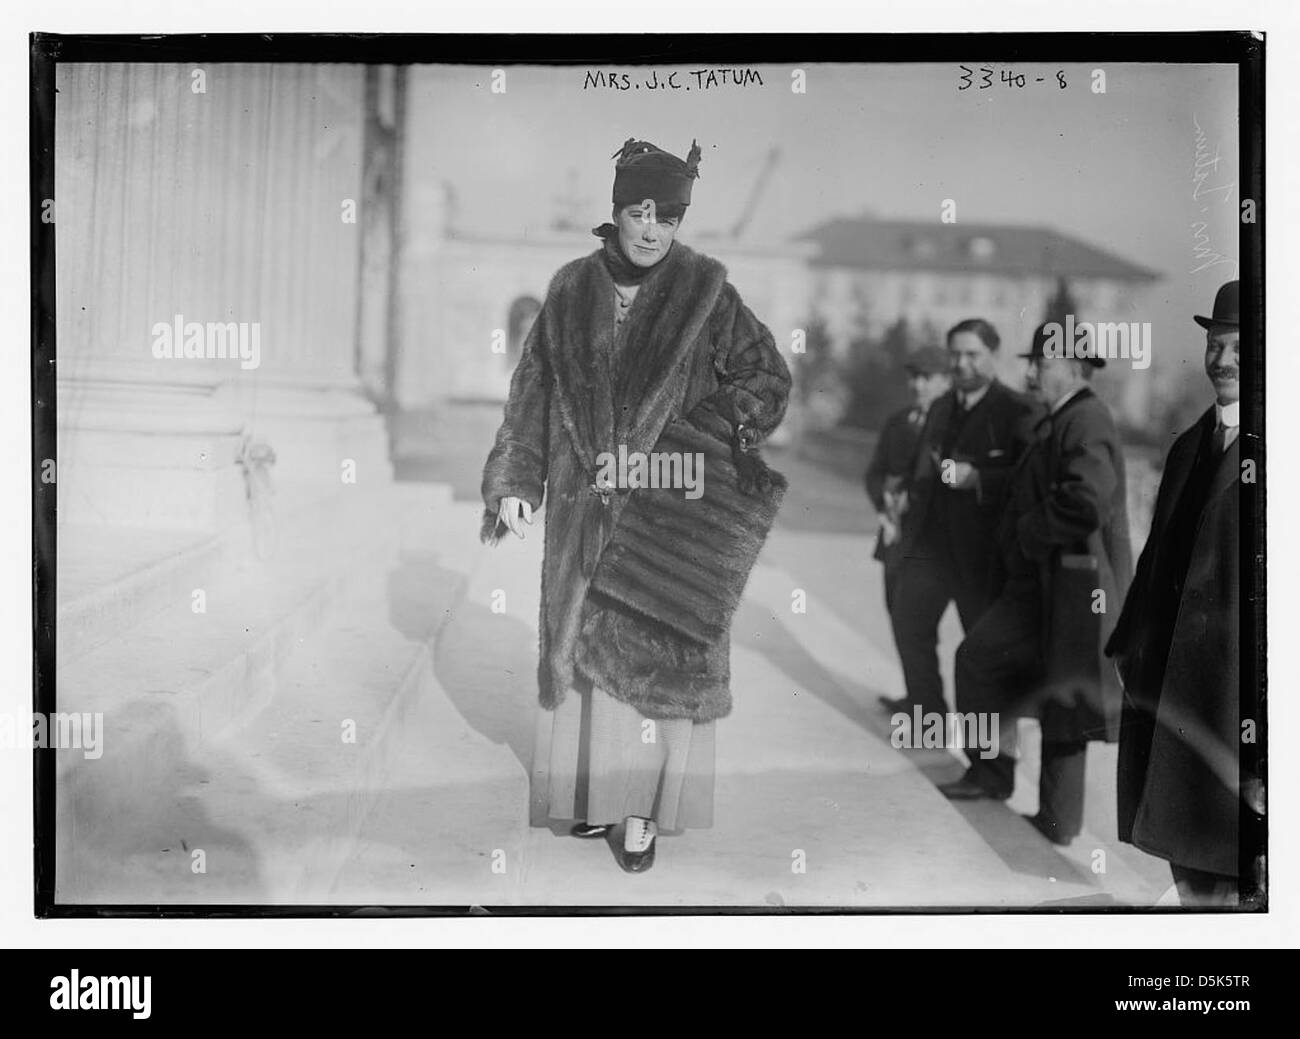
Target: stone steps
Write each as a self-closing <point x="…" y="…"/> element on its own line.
<point x="276" y="804"/>
<point x="180" y="684"/>
<point x="110" y="580"/>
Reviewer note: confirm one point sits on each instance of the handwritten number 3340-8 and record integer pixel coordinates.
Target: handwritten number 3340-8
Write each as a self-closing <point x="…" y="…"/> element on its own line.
<point x="1008" y="77"/>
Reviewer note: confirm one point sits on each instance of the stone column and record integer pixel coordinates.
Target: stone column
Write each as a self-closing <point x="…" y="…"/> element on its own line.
<point x="208" y="201"/>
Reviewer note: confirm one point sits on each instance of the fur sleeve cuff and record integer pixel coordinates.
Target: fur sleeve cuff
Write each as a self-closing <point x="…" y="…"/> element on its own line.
<point x="490" y="530"/>
<point x="514" y="469"/>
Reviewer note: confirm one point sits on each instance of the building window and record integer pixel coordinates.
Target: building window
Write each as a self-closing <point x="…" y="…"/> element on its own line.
<point x="921" y="247"/>
<point x="981" y="248"/>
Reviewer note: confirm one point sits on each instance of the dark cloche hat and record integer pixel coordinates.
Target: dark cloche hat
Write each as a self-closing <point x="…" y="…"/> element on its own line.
<point x="644" y="170"/>
<point x="1226" y="307"/>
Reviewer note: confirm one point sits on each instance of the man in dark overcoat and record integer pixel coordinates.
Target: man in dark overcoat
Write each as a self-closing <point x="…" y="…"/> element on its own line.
<point x="1064" y="542"/>
<point x="1177" y="648"/>
<point x="972" y="439"/>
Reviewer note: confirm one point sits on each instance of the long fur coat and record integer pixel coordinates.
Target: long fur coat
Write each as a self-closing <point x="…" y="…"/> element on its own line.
<point x="691" y="350"/>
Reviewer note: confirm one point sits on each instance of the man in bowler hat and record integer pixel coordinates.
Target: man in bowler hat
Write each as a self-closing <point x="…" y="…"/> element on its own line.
<point x="1064" y="543"/>
<point x="1177" y="647"/>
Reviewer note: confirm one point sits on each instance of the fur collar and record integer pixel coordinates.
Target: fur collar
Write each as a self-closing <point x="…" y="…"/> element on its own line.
<point x="664" y="323"/>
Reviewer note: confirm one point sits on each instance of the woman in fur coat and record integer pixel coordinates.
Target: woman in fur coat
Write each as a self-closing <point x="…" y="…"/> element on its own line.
<point x="641" y="337"/>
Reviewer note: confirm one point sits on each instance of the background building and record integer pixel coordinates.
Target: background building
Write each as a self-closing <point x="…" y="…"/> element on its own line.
<point x="870" y="273"/>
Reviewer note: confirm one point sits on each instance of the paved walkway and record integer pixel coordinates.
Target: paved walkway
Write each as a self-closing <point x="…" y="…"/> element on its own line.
<point x="814" y="807"/>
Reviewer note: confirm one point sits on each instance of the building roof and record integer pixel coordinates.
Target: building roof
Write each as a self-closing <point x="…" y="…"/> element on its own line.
<point x="919" y="245"/>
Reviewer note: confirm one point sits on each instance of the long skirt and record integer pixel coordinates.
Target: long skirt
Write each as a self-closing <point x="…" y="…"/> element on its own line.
<point x="599" y="760"/>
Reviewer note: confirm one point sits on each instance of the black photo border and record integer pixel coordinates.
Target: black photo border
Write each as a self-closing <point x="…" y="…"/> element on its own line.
<point x="1244" y="49"/>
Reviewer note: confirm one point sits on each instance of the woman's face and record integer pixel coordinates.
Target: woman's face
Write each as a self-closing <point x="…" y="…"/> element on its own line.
<point x="644" y="235"/>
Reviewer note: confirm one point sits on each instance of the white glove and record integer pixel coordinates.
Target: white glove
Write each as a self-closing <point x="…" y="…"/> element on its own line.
<point x="508" y="512"/>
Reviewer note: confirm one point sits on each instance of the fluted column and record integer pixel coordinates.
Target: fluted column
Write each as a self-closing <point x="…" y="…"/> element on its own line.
<point x="221" y="207"/>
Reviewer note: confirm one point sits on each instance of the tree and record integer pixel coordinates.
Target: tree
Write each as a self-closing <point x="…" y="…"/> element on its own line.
<point x="818" y="379"/>
<point x="876" y="378"/>
<point x="1061" y="304"/>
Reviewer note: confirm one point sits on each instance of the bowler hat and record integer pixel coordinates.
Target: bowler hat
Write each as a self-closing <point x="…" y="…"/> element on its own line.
<point x="1226" y="310"/>
<point x="927" y="360"/>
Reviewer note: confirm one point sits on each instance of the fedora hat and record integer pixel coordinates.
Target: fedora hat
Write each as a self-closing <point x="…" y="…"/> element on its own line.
<point x="1225" y="307"/>
<point x="1038" y="347"/>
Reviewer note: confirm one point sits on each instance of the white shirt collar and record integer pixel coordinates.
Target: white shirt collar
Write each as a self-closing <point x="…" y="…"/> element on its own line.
<point x="1228" y="415"/>
<point x="969" y="400"/>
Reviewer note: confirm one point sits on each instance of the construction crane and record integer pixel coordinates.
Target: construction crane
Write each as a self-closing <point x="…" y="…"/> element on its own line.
<point x="756" y="192"/>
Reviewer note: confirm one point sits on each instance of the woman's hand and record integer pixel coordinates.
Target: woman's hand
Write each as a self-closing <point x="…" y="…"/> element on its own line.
<point x="508" y="512"/>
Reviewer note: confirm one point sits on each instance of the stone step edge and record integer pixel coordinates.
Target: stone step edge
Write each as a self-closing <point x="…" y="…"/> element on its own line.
<point x="369" y="773"/>
<point x="364" y="783"/>
<point x="418" y="671"/>
<point x="144" y="592"/>
<point x="206" y="705"/>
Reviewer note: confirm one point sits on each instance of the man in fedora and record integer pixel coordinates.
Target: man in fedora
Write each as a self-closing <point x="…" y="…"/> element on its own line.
<point x="894" y="459"/>
<point x="1177" y="646"/>
<point x="1064" y="544"/>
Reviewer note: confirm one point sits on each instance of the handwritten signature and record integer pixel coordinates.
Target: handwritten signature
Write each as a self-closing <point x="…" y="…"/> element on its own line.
<point x="1206" y="166"/>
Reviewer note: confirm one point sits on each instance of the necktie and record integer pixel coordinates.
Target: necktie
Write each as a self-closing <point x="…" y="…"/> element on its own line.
<point x="1220" y="438"/>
